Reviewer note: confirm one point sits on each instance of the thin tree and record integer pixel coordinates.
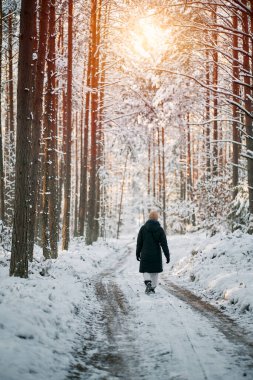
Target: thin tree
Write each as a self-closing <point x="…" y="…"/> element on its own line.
<point x="154" y="163"/>
<point x="91" y="222"/>
<point x="62" y="122"/>
<point x="235" y="89"/>
<point x="67" y="187"/>
<point x="159" y="195"/>
<point x="50" y="225"/>
<point x="37" y="120"/>
<point x="163" y="182"/>
<point x="76" y="177"/>
<point x="248" y="104"/>
<point x="215" y="96"/>
<point x="189" y="158"/>
<point x="9" y="195"/>
<point x="207" y="115"/>
<point x="84" y="156"/>
<point x="122" y="193"/>
<point x="100" y="64"/>
<point x="182" y="174"/>
<point x="2" y="208"/>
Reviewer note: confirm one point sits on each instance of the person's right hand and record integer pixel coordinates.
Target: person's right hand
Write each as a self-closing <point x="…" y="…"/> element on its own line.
<point x="138" y="258"/>
<point x="168" y="260"/>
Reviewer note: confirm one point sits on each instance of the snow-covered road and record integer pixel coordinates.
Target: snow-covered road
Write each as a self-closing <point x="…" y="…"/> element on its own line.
<point x="85" y="315"/>
<point x="169" y="335"/>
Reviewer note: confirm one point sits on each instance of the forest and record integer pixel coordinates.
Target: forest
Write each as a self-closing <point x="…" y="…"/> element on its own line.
<point x="103" y="112"/>
<point x="110" y="109"/>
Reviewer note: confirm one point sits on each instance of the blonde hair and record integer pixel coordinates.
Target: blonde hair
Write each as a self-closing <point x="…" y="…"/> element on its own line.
<point x="153" y="215"/>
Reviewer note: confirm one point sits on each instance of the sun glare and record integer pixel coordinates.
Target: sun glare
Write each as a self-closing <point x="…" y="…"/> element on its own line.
<point x="148" y="38"/>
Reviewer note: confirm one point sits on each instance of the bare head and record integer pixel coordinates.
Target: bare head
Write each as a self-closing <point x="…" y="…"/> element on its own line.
<point x="153" y="215"/>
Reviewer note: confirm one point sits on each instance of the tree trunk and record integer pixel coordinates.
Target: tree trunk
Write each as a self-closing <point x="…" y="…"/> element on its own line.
<point x="50" y="224"/>
<point x="182" y="179"/>
<point x="10" y="64"/>
<point x="100" y="100"/>
<point x="67" y="187"/>
<point x="122" y="194"/>
<point x="61" y="110"/>
<point x="76" y="179"/>
<point x="215" y="96"/>
<point x="189" y="159"/>
<point x="84" y="163"/>
<point x="2" y="208"/>
<point x="163" y="183"/>
<point x="19" y="249"/>
<point x="154" y="164"/>
<point x="149" y="172"/>
<point x="248" y="105"/>
<point x="91" y="235"/>
<point x="207" y="117"/>
<point x="10" y="178"/>
<point x="235" y="89"/>
<point x="37" y="121"/>
<point x="159" y="197"/>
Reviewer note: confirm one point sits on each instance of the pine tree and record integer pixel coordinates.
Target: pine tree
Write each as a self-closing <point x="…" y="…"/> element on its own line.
<point x="67" y="187"/>
<point x="235" y="89"/>
<point x="10" y="140"/>
<point x="37" y="120"/>
<point x="248" y="104"/>
<point x="50" y="225"/>
<point x="19" y="249"/>
<point x="91" y="234"/>
<point x="2" y="208"/>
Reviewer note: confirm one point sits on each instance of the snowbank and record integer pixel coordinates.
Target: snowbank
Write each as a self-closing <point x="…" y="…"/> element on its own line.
<point x="218" y="267"/>
<point x="39" y="316"/>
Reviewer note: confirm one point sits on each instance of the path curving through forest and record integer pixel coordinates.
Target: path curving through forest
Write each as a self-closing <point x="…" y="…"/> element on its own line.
<point x="170" y="335"/>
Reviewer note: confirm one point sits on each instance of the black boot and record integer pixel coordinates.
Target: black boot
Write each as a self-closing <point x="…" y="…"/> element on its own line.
<point x="148" y="286"/>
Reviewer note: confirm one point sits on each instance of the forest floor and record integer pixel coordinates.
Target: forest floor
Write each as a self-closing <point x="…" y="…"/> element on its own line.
<point x="86" y="316"/>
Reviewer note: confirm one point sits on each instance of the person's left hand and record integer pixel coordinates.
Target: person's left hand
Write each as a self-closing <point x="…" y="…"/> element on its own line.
<point x="138" y="258"/>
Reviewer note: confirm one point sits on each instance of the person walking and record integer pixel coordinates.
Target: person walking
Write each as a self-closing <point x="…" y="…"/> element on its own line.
<point x="151" y="238"/>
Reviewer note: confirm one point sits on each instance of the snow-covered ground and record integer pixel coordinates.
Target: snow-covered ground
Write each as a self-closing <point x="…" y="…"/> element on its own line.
<point x="219" y="268"/>
<point x="39" y="316"/>
<point x="85" y="315"/>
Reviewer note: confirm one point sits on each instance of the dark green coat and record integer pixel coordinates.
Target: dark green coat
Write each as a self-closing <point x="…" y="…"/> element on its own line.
<point x="150" y="239"/>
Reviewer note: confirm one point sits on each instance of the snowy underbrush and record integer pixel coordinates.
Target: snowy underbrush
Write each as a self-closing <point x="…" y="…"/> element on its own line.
<point x="239" y="217"/>
<point x="181" y="217"/>
<point x="5" y="237"/>
<point x="220" y="268"/>
<point x="39" y="316"/>
<point x="216" y="213"/>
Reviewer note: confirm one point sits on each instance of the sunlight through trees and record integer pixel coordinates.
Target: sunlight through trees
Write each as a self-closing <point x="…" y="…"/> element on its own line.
<point x="85" y="84"/>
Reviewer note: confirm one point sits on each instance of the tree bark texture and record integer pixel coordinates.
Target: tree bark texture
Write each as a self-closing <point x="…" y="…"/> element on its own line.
<point x="50" y="193"/>
<point x="248" y="105"/>
<point x="236" y="136"/>
<point x="37" y="120"/>
<point x="2" y="207"/>
<point x="91" y="234"/>
<point x="67" y="187"/>
<point x="19" y="249"/>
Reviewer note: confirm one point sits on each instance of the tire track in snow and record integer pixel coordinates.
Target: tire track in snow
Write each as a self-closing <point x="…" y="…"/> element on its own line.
<point x="224" y="323"/>
<point x="130" y="341"/>
<point x="190" y="341"/>
<point x="165" y="343"/>
<point x="234" y="360"/>
<point x="103" y="354"/>
<point x="197" y="349"/>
